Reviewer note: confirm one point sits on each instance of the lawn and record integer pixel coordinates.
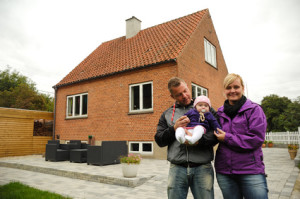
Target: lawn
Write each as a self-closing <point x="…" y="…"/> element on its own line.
<point x="16" y="190"/>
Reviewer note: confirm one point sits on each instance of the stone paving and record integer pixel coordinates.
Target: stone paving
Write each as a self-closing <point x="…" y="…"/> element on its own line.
<point x="79" y="180"/>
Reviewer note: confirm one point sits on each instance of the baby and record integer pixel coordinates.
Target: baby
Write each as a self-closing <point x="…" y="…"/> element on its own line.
<point x="201" y="120"/>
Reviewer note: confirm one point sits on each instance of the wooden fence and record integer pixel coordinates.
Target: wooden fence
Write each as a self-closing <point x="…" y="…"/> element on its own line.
<point x="17" y="132"/>
<point x="284" y="137"/>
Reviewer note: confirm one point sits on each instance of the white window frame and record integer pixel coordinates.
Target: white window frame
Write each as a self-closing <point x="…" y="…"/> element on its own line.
<point x="131" y="110"/>
<point x="141" y="148"/>
<point x="210" y="53"/>
<point x="203" y="91"/>
<point x="73" y="106"/>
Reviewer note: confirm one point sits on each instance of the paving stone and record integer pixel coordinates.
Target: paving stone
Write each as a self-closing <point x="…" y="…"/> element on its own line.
<point x="83" y="181"/>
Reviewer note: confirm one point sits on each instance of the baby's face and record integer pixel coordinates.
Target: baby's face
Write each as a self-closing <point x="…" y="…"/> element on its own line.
<point x="202" y="107"/>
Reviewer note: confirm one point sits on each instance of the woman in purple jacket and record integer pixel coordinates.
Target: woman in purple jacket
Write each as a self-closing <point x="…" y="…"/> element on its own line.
<point x="239" y="162"/>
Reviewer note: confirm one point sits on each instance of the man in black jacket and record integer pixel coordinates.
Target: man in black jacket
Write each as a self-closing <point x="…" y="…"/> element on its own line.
<point x="190" y="164"/>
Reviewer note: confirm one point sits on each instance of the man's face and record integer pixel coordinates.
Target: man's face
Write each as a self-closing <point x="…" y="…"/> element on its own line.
<point x="181" y="94"/>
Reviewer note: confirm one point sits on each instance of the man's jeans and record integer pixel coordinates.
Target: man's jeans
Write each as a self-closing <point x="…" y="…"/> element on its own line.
<point x="237" y="186"/>
<point x="200" y="179"/>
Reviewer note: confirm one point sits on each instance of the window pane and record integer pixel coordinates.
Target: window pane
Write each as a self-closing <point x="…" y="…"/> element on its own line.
<point x="135" y="98"/>
<point x="77" y="105"/>
<point x="214" y="63"/>
<point x="70" y="106"/>
<point x="147" y="96"/>
<point x="134" y="147"/>
<point x="205" y="49"/>
<point x="147" y="147"/>
<point x="209" y="53"/>
<point x="193" y="91"/>
<point x="205" y="92"/>
<point x="84" y="104"/>
<point x="198" y="91"/>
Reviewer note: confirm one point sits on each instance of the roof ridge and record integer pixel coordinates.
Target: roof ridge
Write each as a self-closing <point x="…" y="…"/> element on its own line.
<point x="159" y="24"/>
<point x="176" y="19"/>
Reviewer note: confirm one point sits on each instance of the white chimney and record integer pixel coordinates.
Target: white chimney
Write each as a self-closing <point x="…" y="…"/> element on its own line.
<point x="133" y="27"/>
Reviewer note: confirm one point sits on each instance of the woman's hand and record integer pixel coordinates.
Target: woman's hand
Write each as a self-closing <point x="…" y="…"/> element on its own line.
<point x="220" y="135"/>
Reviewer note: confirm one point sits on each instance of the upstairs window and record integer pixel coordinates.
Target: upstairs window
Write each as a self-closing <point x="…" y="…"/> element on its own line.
<point x="77" y="105"/>
<point x="210" y="53"/>
<point x="198" y="90"/>
<point x="140" y="97"/>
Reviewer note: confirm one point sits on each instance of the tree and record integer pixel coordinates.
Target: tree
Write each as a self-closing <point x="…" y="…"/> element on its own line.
<point x="275" y="108"/>
<point x="17" y="91"/>
<point x="292" y="116"/>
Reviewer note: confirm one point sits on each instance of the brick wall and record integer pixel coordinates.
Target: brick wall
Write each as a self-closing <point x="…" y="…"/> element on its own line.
<point x="108" y="106"/>
<point x="193" y="68"/>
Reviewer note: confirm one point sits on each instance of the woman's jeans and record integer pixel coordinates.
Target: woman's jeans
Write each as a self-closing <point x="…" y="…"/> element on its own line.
<point x="236" y="186"/>
<point x="200" y="179"/>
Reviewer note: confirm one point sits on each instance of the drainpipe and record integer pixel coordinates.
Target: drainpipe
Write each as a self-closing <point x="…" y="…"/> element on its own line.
<point x="54" y="113"/>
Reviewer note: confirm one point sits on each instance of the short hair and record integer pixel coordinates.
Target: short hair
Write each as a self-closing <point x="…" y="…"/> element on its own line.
<point x="174" y="82"/>
<point x="231" y="78"/>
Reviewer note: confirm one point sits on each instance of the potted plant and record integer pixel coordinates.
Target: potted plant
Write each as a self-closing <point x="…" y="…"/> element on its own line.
<point x="130" y="165"/>
<point x="292" y="149"/>
<point x="270" y="144"/>
<point x="91" y="140"/>
<point x="264" y="144"/>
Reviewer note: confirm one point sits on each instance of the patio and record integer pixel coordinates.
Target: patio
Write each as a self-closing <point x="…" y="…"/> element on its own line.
<point x="79" y="180"/>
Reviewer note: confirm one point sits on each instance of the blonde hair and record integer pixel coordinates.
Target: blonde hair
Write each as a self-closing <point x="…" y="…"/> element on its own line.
<point x="231" y="78"/>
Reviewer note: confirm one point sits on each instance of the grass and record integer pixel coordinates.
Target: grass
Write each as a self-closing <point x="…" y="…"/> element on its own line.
<point x="16" y="190"/>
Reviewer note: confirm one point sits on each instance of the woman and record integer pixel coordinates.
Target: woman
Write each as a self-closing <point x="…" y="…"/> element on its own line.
<point x="239" y="163"/>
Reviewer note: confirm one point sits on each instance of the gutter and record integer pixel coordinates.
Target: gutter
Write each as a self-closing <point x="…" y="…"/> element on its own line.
<point x="54" y="112"/>
<point x="114" y="73"/>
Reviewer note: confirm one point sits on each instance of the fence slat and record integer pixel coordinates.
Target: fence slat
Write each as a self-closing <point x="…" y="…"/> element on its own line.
<point x="284" y="137"/>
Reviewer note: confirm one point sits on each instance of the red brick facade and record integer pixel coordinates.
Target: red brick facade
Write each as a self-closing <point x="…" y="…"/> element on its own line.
<point x="108" y="97"/>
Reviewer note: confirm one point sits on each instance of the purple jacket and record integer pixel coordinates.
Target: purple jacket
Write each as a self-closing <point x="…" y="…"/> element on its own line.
<point x="210" y="122"/>
<point x="241" y="152"/>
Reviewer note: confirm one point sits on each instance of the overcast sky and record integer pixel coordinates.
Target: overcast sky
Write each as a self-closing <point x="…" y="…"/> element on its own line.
<point x="260" y="39"/>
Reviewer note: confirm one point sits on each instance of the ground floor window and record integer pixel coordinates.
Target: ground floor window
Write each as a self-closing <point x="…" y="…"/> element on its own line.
<point x="77" y="105"/>
<point x="141" y="97"/>
<point x="198" y="90"/>
<point x="141" y="147"/>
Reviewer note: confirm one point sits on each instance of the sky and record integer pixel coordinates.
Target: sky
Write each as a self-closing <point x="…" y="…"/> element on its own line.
<point x="260" y="39"/>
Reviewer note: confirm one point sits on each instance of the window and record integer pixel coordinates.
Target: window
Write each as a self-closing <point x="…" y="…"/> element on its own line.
<point x="77" y="105"/>
<point x="140" y="97"/>
<point x="141" y="147"/>
<point x="210" y="53"/>
<point x="198" y="90"/>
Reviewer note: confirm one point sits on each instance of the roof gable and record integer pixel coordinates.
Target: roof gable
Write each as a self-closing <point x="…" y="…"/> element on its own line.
<point x="154" y="45"/>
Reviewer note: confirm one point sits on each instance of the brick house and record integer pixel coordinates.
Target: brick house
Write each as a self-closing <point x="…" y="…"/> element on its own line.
<point x="120" y="90"/>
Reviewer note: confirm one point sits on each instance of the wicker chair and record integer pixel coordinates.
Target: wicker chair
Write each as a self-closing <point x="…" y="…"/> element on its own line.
<point x="108" y="153"/>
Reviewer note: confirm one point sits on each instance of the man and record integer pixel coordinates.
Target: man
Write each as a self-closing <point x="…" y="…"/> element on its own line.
<point x="190" y="165"/>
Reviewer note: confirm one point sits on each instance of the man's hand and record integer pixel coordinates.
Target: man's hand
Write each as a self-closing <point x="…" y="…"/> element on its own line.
<point x="220" y="135"/>
<point x="181" y="122"/>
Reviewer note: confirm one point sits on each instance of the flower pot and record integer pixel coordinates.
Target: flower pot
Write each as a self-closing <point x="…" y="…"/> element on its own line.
<point x="270" y="145"/>
<point x="263" y="145"/>
<point x="293" y="153"/>
<point x="130" y="170"/>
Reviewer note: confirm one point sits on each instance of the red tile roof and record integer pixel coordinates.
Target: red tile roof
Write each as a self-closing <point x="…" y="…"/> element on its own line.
<point x="154" y="45"/>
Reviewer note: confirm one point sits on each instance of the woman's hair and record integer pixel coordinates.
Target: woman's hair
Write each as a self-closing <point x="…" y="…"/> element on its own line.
<point x="174" y="82"/>
<point x="231" y="78"/>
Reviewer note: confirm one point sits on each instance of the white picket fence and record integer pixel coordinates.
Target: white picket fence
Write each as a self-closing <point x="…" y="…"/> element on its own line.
<point x="284" y="137"/>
